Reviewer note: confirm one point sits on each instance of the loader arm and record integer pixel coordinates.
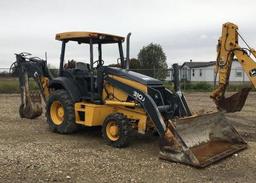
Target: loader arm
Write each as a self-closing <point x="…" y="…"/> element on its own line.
<point x="24" y="68"/>
<point x="228" y="50"/>
<point x="195" y="140"/>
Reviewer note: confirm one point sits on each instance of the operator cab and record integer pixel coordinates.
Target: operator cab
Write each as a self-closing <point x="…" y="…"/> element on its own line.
<point x="90" y="38"/>
<point x="88" y="76"/>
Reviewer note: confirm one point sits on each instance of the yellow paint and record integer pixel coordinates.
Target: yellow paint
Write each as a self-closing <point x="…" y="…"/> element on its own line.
<point x="142" y="124"/>
<point x="131" y="83"/>
<point x="112" y="131"/>
<point x="118" y="103"/>
<point x="94" y="115"/>
<point x="57" y="113"/>
<point x="248" y="64"/>
<point x="118" y="94"/>
<point x="115" y="93"/>
<point x="45" y="83"/>
<point x="137" y="114"/>
<point x="228" y="47"/>
<point x="83" y="36"/>
<point x="227" y="43"/>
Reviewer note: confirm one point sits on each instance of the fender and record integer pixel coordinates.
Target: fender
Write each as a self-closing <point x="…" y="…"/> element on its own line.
<point x="69" y="85"/>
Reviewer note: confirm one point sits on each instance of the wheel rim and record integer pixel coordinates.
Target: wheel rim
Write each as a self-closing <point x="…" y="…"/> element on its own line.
<point x="112" y="131"/>
<point x="57" y="113"/>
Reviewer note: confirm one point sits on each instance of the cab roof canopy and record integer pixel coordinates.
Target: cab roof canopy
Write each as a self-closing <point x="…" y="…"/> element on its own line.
<point x="84" y="37"/>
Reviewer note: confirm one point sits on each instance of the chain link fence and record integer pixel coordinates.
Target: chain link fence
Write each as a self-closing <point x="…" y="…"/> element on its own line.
<point x="191" y="75"/>
<point x="4" y="72"/>
<point x="191" y="79"/>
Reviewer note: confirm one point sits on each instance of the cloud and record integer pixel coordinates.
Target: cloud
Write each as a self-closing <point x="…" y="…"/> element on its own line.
<point x="203" y="36"/>
<point x="185" y="29"/>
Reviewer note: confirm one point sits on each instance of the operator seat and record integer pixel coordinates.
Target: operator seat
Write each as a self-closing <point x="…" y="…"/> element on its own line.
<point x="82" y="66"/>
<point x="84" y="77"/>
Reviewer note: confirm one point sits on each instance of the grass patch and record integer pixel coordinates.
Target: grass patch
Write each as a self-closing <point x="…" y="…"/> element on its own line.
<point x="11" y="85"/>
<point x="205" y="87"/>
<point x="199" y="87"/>
<point x="239" y="87"/>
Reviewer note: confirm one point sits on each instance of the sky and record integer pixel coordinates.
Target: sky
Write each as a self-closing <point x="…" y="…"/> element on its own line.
<point x="186" y="29"/>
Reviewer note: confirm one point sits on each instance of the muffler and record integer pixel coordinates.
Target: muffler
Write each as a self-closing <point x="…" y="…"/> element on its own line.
<point x="201" y="140"/>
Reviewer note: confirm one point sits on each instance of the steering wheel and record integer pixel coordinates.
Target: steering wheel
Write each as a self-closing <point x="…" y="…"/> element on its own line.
<point x="118" y="61"/>
<point x="35" y="59"/>
<point x="25" y="54"/>
<point x="98" y="63"/>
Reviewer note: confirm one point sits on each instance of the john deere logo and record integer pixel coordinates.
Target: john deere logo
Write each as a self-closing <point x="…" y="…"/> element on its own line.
<point x="138" y="96"/>
<point x="253" y="72"/>
<point x="35" y="74"/>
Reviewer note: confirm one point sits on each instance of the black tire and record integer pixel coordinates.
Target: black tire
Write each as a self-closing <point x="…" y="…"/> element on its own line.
<point x="124" y="130"/>
<point x="68" y="125"/>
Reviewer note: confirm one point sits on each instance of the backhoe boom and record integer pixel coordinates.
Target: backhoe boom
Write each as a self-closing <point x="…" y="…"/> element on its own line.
<point x="228" y="50"/>
<point x="26" y="67"/>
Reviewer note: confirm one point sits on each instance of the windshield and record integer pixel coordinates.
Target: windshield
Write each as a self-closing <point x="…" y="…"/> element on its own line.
<point x="81" y="53"/>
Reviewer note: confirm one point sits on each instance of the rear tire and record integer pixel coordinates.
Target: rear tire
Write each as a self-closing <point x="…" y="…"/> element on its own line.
<point x="60" y="113"/>
<point x="116" y="130"/>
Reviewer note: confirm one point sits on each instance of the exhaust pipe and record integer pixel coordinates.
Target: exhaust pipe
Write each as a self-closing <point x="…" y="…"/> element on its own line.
<point x="127" y="62"/>
<point x="176" y="79"/>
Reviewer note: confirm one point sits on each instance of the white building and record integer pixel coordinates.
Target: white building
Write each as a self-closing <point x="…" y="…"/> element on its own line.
<point x="204" y="72"/>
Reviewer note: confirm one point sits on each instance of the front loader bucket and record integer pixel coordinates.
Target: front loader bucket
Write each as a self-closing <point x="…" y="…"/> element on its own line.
<point x="202" y="140"/>
<point x="235" y="102"/>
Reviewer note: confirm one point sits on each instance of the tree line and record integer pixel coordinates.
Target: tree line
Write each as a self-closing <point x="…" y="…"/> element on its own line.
<point x="151" y="61"/>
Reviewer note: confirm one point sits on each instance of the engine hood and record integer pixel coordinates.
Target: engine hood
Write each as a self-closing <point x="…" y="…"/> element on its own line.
<point x="141" y="78"/>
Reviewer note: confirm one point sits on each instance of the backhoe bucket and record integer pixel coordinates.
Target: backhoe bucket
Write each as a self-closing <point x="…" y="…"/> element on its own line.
<point x="31" y="102"/>
<point x="32" y="107"/>
<point x="235" y="102"/>
<point x="202" y="140"/>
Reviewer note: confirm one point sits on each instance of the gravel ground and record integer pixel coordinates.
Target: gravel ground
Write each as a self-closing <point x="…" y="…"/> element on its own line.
<point x="30" y="152"/>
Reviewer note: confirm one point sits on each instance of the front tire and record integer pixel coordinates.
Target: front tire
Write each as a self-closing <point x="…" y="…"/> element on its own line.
<point x="60" y="113"/>
<point x="116" y="130"/>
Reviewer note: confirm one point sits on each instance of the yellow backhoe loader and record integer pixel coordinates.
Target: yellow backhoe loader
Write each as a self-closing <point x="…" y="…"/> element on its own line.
<point x="228" y="50"/>
<point x="120" y="100"/>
